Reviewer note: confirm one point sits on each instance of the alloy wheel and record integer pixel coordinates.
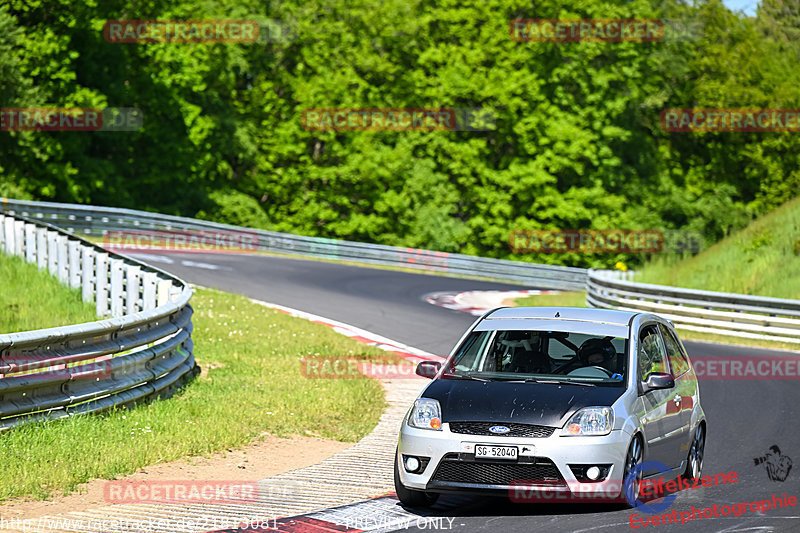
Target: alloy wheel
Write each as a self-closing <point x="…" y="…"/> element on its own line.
<point x="633" y="459"/>
<point x="696" y="452"/>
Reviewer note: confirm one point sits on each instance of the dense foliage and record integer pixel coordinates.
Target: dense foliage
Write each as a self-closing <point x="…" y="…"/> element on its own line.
<point x="577" y="142"/>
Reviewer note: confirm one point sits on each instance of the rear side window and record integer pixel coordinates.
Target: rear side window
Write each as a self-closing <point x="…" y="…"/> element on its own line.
<point x="652" y="356"/>
<point x="677" y="359"/>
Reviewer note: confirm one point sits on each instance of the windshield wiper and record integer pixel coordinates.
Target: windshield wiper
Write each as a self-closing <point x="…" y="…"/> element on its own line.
<point x="580" y="383"/>
<point x="463" y="376"/>
<point x="529" y="380"/>
<point x="559" y="381"/>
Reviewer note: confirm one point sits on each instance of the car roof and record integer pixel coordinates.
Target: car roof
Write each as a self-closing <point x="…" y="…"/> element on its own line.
<point x="570" y="319"/>
<point x="582" y="314"/>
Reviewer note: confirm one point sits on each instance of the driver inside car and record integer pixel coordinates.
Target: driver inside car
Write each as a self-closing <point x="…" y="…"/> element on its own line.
<point x="598" y="352"/>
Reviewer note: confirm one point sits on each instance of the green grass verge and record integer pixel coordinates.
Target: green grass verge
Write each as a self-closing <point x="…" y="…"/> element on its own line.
<point x="33" y="299"/>
<point x="559" y="299"/>
<point x="578" y="299"/>
<point x="762" y="259"/>
<point x="251" y="383"/>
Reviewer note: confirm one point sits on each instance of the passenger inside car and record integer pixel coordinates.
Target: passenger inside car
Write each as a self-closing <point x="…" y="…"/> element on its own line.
<point x="598" y="352"/>
<point x="537" y="354"/>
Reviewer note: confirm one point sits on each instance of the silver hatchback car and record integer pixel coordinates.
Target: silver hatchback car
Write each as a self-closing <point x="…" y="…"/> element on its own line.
<point x="547" y="403"/>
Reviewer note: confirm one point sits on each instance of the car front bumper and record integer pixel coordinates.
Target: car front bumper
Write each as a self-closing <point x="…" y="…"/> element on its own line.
<point x="541" y="473"/>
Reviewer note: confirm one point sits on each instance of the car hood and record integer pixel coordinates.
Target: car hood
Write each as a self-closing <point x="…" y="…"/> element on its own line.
<point x="544" y="404"/>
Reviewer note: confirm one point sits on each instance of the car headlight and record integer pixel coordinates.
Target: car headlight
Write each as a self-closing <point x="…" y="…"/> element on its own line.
<point x="589" y="421"/>
<point x="426" y="414"/>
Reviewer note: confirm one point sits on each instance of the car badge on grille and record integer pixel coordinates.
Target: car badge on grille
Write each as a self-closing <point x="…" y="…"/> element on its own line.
<point x="499" y="429"/>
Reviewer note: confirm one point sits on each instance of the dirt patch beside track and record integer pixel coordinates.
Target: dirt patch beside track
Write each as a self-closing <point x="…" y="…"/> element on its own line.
<point x="267" y="457"/>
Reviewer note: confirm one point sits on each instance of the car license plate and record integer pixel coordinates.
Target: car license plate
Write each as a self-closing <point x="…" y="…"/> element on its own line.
<point x="495" y="452"/>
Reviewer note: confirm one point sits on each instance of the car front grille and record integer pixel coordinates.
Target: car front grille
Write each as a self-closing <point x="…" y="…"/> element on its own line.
<point x="454" y="470"/>
<point x="517" y="430"/>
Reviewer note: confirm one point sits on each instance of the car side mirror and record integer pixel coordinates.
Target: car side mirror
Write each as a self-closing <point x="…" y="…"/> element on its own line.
<point x="657" y="380"/>
<point x="428" y="369"/>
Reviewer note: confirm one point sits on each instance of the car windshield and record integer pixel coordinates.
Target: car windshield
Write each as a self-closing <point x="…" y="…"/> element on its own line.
<point x="541" y="356"/>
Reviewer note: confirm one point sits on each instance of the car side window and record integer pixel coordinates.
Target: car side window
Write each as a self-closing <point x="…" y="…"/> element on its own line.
<point x="466" y="358"/>
<point x="652" y="357"/>
<point x="677" y="360"/>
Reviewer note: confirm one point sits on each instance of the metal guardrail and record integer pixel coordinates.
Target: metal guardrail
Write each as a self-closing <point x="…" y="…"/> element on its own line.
<point x="142" y="351"/>
<point x="705" y="311"/>
<point x="734" y="315"/>
<point x="97" y="221"/>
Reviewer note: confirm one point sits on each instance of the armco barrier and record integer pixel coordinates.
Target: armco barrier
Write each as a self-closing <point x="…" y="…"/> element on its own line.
<point x="734" y="315"/>
<point x="96" y="221"/>
<point x="143" y="350"/>
<point x="730" y="315"/>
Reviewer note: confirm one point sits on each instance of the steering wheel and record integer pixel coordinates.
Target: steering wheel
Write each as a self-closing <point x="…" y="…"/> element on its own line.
<point x="591" y="372"/>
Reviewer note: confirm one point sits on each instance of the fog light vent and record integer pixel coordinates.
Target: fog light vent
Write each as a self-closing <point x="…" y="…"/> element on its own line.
<point x="415" y="464"/>
<point x="590" y="473"/>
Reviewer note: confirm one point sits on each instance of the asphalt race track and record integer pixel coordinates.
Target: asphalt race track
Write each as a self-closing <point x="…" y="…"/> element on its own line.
<point x="744" y="418"/>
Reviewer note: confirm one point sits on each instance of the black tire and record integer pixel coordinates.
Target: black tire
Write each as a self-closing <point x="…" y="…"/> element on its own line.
<point x="632" y="458"/>
<point x="411" y="497"/>
<point x="694" y="460"/>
